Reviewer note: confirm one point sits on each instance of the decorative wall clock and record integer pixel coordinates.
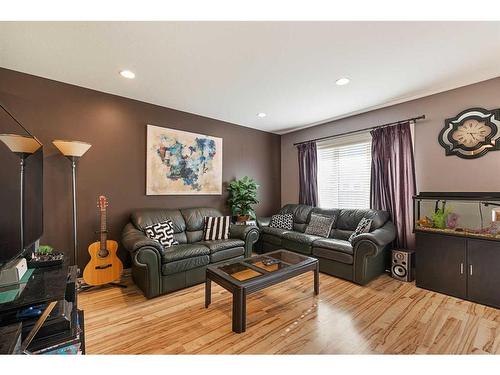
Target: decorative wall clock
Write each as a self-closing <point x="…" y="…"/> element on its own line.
<point x="472" y="133"/>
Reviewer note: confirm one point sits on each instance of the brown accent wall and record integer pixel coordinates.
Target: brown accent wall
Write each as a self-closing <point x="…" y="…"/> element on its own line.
<point x="115" y="165"/>
<point x="435" y="171"/>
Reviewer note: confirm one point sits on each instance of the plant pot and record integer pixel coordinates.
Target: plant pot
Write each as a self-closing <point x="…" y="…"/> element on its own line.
<point x="240" y="219"/>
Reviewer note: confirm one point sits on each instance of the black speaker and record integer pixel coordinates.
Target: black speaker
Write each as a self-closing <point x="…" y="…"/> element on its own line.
<point x="403" y="265"/>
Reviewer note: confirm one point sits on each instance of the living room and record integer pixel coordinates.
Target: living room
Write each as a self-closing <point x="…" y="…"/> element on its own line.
<point x="250" y="187"/>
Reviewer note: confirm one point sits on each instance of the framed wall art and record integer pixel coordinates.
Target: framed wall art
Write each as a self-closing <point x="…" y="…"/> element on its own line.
<point x="182" y="163"/>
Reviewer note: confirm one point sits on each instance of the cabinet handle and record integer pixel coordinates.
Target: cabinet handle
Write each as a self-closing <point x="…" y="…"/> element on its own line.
<point x="470" y="268"/>
<point x="461" y="268"/>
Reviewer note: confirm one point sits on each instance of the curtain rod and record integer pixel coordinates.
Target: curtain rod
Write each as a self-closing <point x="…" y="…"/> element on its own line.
<point x="362" y="130"/>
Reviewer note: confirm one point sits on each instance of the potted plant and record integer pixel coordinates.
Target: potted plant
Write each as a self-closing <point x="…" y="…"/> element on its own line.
<point x="242" y="196"/>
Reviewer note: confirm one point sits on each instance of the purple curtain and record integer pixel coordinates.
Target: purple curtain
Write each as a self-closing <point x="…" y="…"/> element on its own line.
<point x="308" y="174"/>
<point x="393" y="179"/>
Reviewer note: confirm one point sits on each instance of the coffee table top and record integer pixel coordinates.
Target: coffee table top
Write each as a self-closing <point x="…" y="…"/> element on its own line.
<point x="262" y="266"/>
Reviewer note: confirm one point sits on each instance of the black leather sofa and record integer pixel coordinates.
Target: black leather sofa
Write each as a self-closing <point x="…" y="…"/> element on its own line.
<point x="360" y="262"/>
<point x="157" y="270"/>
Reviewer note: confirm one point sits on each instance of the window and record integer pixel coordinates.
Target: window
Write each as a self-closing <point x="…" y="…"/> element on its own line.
<point x="344" y="167"/>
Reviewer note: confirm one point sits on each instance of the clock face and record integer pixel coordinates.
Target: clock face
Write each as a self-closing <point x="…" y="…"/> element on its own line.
<point x="471" y="133"/>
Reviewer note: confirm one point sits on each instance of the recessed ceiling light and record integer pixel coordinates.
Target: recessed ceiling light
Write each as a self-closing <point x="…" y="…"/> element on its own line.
<point x="127" y="74"/>
<point x="342" y="81"/>
<point x="261" y="115"/>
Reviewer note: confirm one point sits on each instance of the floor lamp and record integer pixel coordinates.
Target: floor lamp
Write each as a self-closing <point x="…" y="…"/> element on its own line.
<point x="73" y="150"/>
<point x="22" y="146"/>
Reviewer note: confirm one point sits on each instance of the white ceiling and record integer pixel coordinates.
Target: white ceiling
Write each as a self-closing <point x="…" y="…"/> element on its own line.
<point x="233" y="70"/>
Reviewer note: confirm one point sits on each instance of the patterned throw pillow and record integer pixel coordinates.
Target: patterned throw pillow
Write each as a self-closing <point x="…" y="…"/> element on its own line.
<point x="320" y="225"/>
<point x="282" y="221"/>
<point x="363" y="227"/>
<point x="162" y="232"/>
<point x="216" y="228"/>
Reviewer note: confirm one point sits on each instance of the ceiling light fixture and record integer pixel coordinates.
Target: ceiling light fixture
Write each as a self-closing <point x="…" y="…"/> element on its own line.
<point x="342" y="81"/>
<point x="127" y="74"/>
<point x="261" y="115"/>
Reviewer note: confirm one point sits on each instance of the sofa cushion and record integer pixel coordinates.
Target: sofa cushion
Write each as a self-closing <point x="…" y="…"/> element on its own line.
<point x="363" y="227"/>
<point x="195" y="217"/>
<point x="282" y="221"/>
<point x="271" y="238"/>
<point x="340" y="234"/>
<point x="216" y="228"/>
<point x="195" y="221"/>
<point x="320" y="225"/>
<point x="218" y="245"/>
<point x="184" y="251"/>
<point x="337" y="256"/>
<point x="230" y="253"/>
<point x="349" y="219"/>
<point x="162" y="232"/>
<point x="301" y="214"/>
<point x="299" y="242"/>
<point x="149" y="216"/>
<point x="334" y="244"/>
<point x="224" y="249"/>
<point x="184" y="264"/>
<point x="274" y="231"/>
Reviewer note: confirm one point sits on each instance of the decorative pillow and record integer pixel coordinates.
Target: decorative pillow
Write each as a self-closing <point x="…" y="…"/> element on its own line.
<point x="216" y="228"/>
<point x="363" y="227"/>
<point x="282" y="221"/>
<point x="162" y="232"/>
<point x="320" y="225"/>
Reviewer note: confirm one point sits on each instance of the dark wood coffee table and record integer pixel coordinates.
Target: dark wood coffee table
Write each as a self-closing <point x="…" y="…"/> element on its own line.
<point x="250" y="275"/>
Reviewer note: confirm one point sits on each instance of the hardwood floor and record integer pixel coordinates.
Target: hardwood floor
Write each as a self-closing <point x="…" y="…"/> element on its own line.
<point x="385" y="316"/>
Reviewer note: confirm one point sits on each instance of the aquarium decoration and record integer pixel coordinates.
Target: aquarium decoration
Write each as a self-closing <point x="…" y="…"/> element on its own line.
<point x="452" y="220"/>
<point x="463" y="216"/>
<point x="439" y="218"/>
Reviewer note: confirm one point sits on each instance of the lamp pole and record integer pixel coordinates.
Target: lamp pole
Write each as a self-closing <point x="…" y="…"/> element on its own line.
<point x="75" y="237"/>
<point x="73" y="150"/>
<point x="21" y="200"/>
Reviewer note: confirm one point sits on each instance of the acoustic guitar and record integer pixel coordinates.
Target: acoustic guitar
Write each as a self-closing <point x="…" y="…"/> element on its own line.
<point x="104" y="266"/>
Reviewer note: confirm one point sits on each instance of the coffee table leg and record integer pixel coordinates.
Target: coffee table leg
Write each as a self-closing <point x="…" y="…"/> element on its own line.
<point x="208" y="292"/>
<point x="239" y="311"/>
<point x="316" y="280"/>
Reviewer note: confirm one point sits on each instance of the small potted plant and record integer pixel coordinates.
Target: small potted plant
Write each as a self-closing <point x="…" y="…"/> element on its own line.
<point x="242" y="196"/>
<point x="45" y="250"/>
<point x="45" y="256"/>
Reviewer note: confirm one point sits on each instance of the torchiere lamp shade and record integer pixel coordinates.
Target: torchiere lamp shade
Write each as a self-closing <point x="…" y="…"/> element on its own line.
<point x="72" y="148"/>
<point x="20" y="144"/>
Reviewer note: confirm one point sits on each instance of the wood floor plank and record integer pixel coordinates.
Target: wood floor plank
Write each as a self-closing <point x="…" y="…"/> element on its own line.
<point x="385" y="316"/>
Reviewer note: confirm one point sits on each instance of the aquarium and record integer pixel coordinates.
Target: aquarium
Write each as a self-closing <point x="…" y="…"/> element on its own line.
<point x="462" y="214"/>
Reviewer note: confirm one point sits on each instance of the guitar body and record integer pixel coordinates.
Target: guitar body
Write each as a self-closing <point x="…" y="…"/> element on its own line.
<point x="103" y="269"/>
<point x="104" y="266"/>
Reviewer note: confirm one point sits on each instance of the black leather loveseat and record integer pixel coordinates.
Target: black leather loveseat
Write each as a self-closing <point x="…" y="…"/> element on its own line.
<point x="360" y="261"/>
<point x="158" y="270"/>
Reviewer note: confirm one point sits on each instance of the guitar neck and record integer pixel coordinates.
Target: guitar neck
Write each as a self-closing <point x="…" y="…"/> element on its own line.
<point x="104" y="234"/>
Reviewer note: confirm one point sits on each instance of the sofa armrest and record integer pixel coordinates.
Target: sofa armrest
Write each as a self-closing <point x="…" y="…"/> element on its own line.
<point x="146" y="260"/>
<point x="371" y="253"/>
<point x="133" y="239"/>
<point x="381" y="236"/>
<point x="247" y="233"/>
<point x="263" y="221"/>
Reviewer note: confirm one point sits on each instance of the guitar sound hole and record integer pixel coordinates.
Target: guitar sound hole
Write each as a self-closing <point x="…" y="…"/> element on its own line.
<point x="103" y="253"/>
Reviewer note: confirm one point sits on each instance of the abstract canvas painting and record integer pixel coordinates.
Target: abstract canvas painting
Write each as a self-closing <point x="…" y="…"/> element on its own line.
<point x="180" y="162"/>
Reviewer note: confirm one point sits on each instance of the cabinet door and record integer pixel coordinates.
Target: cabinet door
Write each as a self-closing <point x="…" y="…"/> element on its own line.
<point x="441" y="264"/>
<point x="483" y="269"/>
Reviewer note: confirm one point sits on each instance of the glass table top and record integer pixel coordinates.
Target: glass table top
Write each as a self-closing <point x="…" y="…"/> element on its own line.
<point x="240" y="271"/>
<point x="261" y="265"/>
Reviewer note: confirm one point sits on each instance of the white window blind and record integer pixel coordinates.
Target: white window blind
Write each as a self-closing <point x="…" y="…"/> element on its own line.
<point x="344" y="167"/>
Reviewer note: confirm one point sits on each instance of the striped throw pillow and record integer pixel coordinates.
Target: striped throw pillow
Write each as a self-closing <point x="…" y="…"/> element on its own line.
<point x="216" y="228"/>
